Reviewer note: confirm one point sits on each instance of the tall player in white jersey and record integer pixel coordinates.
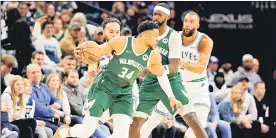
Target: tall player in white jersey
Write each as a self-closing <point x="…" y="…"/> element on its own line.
<point x="196" y="51"/>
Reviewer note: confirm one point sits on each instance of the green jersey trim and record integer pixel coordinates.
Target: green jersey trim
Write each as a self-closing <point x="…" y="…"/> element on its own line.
<point x="198" y="80"/>
<point x="123" y="49"/>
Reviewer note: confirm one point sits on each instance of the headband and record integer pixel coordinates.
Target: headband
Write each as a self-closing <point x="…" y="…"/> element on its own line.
<point x="160" y="8"/>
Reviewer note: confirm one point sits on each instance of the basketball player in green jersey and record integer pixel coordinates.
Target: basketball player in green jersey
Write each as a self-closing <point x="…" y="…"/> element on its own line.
<point x="112" y="87"/>
<point x="169" y="46"/>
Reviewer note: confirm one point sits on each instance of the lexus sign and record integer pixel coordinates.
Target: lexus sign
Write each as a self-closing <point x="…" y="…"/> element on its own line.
<point x="229" y="21"/>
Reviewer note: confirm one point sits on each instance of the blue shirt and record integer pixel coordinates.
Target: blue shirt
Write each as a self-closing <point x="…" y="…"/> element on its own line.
<point x="43" y="98"/>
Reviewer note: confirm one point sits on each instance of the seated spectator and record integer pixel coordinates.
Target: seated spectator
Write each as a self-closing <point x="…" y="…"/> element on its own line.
<point x="65" y="17"/>
<point x="69" y="62"/>
<point x="53" y="81"/>
<point x="212" y="68"/>
<point x="263" y="109"/>
<point x="227" y="71"/>
<point x="98" y="36"/>
<point x="40" y="8"/>
<point x="45" y="101"/>
<point x="256" y="64"/>
<point x="216" y="126"/>
<point x="41" y="130"/>
<point x="48" y="44"/>
<point x="231" y="110"/>
<point x="246" y="70"/>
<point x="71" y="87"/>
<point x="58" y="32"/>
<point x="14" y="98"/>
<point x="218" y="88"/>
<point x="70" y="41"/>
<point x="38" y="58"/>
<point x="51" y="12"/>
<point x="7" y="64"/>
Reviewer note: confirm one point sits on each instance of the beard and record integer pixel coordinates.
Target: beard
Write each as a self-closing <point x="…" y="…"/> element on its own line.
<point x="188" y="34"/>
<point x="247" y="68"/>
<point x="160" y="23"/>
<point x="72" y="85"/>
<point x="226" y="70"/>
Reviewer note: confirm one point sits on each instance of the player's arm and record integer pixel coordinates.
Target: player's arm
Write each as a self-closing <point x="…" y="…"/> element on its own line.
<point x="156" y="68"/>
<point x="175" y="45"/>
<point x="116" y="44"/>
<point x="205" y="49"/>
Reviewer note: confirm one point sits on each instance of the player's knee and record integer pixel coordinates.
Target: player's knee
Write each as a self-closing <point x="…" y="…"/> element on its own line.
<point x="137" y="122"/>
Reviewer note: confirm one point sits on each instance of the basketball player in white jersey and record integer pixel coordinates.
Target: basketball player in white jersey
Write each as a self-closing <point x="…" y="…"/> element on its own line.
<point x="196" y="51"/>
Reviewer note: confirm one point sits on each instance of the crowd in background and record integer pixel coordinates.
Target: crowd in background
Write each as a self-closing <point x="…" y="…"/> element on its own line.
<point x="43" y="85"/>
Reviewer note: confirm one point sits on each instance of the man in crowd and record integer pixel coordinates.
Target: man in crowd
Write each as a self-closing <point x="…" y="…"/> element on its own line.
<point x="212" y="68"/>
<point x="7" y="64"/>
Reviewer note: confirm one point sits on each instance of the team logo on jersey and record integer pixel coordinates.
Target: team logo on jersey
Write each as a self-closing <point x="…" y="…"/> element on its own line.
<point x="145" y="57"/>
<point x="165" y="40"/>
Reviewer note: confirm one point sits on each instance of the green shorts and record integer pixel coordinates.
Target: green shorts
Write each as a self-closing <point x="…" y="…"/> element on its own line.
<point x="104" y="95"/>
<point x="151" y="92"/>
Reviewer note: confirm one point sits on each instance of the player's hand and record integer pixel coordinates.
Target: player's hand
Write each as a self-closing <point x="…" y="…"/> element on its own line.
<point x="56" y="106"/>
<point x="175" y="102"/>
<point x="77" y="52"/>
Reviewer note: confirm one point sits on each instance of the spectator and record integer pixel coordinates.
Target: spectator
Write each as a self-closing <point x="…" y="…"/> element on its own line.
<point x="71" y="87"/>
<point x="54" y="83"/>
<point x="37" y="26"/>
<point x="246" y="70"/>
<point x="215" y="124"/>
<point x="51" y="12"/>
<point x="132" y="23"/>
<point x="70" y="41"/>
<point x="58" y="32"/>
<point x="98" y="36"/>
<point x="8" y="130"/>
<point x="65" y="17"/>
<point x="126" y="31"/>
<point x="41" y="130"/>
<point x="7" y="64"/>
<point x="38" y="58"/>
<point x="212" y="68"/>
<point x="45" y="102"/>
<point x="14" y="98"/>
<point x="263" y="109"/>
<point x="227" y="71"/>
<point x="171" y="21"/>
<point x="18" y="39"/>
<point x="231" y="110"/>
<point x="82" y="34"/>
<point x="218" y="88"/>
<point x="256" y="65"/>
<point x="49" y="45"/>
<point x="23" y="8"/>
<point x="69" y="62"/>
<point x="40" y="9"/>
<point x="81" y="19"/>
<point x="151" y="6"/>
<point x="118" y="8"/>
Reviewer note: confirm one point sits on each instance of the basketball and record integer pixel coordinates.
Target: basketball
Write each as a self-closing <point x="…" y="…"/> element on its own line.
<point x="88" y="54"/>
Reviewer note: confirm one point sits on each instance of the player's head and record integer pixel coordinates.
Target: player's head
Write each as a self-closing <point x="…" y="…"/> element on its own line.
<point x="111" y="27"/>
<point x="190" y="24"/>
<point x="161" y="13"/>
<point x="148" y="31"/>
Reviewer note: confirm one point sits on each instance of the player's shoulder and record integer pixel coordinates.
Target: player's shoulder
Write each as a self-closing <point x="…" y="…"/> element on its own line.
<point x="155" y="57"/>
<point x="118" y="39"/>
<point x="206" y="40"/>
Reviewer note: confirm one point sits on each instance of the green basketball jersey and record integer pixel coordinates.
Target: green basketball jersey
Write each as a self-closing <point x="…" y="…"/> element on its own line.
<point x="124" y="67"/>
<point x="163" y="48"/>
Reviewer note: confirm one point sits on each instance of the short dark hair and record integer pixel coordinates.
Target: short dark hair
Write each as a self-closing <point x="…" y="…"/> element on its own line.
<point x="66" y="73"/>
<point x="147" y="25"/>
<point x="110" y="20"/>
<point x="164" y="5"/>
<point x="46" y="23"/>
<point x="24" y="3"/>
<point x="37" y="53"/>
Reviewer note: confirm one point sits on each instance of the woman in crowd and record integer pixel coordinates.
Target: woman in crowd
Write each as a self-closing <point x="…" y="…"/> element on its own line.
<point x="53" y="81"/>
<point x="14" y="98"/>
<point x="231" y="110"/>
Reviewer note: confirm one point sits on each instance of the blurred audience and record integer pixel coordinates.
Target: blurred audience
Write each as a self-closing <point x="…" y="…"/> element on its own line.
<point x="58" y="31"/>
<point x="98" y="36"/>
<point x="227" y="71"/>
<point x="212" y="68"/>
<point x="218" y="88"/>
<point x="256" y="64"/>
<point x="7" y="64"/>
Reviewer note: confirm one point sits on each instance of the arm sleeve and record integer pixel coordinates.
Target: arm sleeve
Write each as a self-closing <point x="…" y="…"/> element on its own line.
<point x="175" y="45"/>
<point x="40" y="109"/>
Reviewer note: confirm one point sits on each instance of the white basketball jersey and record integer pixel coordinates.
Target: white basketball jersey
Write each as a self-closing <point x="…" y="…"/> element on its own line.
<point x="190" y="53"/>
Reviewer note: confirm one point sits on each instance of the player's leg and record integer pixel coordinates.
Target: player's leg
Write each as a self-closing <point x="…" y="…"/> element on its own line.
<point x="144" y="109"/>
<point x="121" y="112"/>
<point x="156" y="117"/>
<point x="93" y="111"/>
